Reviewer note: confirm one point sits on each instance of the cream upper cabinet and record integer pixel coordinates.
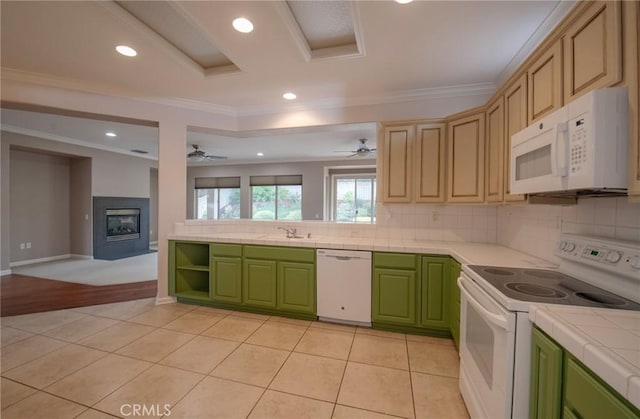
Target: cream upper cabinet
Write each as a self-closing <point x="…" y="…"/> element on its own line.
<point x="515" y="119"/>
<point x="592" y="47"/>
<point x="397" y="163"/>
<point x="494" y="154"/>
<point x="465" y="158"/>
<point x="429" y="163"/>
<point x="632" y="71"/>
<point x="544" y="81"/>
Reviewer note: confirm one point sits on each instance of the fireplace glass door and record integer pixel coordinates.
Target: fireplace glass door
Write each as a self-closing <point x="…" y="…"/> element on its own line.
<point x="123" y="224"/>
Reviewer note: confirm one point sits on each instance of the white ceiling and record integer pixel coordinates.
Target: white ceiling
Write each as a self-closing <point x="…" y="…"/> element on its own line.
<point x="403" y="50"/>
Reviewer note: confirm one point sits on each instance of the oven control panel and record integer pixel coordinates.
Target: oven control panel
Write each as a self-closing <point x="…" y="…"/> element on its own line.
<point x="622" y="258"/>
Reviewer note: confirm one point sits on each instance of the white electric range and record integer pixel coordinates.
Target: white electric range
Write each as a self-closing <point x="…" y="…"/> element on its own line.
<point x="495" y="330"/>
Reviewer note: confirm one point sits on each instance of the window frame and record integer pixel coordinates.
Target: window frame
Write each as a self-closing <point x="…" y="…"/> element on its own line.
<point x="334" y="195"/>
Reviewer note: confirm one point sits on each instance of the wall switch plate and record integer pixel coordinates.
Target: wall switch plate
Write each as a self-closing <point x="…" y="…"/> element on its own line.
<point x="21" y="246"/>
<point x="28" y="245"/>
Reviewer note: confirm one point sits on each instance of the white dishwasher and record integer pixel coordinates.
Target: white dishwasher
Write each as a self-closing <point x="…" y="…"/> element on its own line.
<point x="344" y="286"/>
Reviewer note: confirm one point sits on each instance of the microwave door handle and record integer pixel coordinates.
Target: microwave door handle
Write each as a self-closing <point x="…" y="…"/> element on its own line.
<point x="559" y="151"/>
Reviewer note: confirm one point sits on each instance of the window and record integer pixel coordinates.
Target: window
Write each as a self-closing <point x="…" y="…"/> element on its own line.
<point x="353" y="197"/>
<point x="276" y="197"/>
<point x="217" y="198"/>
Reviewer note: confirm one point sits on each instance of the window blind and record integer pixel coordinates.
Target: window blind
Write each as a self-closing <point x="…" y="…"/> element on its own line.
<point x="275" y="180"/>
<point x="217" y="182"/>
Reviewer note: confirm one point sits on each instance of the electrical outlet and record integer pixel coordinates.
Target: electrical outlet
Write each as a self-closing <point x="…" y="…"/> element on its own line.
<point x="28" y="245"/>
<point x="21" y="246"/>
<point x="435" y="216"/>
<point x="86" y="216"/>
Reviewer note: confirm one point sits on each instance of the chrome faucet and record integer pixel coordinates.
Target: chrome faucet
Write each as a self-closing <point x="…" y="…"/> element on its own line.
<point x="291" y="232"/>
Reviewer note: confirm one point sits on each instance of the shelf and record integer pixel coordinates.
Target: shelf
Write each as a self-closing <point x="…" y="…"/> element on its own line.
<point x="202" y="268"/>
<point x="192" y="254"/>
<point x="193" y="283"/>
<point x="193" y="294"/>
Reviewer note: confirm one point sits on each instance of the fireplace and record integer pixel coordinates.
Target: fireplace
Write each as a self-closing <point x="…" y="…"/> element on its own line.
<point x="122" y="224"/>
<point x="120" y="227"/>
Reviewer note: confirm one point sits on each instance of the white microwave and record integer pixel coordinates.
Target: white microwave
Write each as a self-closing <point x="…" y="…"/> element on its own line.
<point x="582" y="145"/>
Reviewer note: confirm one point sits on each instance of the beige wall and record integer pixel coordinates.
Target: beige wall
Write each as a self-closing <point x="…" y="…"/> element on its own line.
<point x="80" y="214"/>
<point x="39" y="206"/>
<point x="153" y="205"/>
<point x="312" y="182"/>
<point x="101" y="173"/>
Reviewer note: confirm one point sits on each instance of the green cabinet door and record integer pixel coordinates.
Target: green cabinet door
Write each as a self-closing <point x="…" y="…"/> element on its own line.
<point x="259" y="283"/>
<point x="394" y="296"/>
<point x="588" y="397"/>
<point x="226" y="279"/>
<point x="297" y="287"/>
<point x="546" y="377"/>
<point x="434" y="288"/>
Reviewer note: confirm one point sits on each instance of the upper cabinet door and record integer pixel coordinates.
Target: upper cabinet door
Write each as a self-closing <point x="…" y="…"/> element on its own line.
<point x="494" y="171"/>
<point x="515" y="119"/>
<point x="397" y="163"/>
<point x="465" y="156"/>
<point x="430" y="163"/>
<point x="544" y="79"/>
<point x="593" y="49"/>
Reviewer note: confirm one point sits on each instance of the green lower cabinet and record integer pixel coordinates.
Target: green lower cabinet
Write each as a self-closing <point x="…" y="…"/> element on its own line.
<point x="297" y="287"/>
<point x="394" y="296"/>
<point x="588" y="397"/>
<point x="435" y="311"/>
<point x="562" y="387"/>
<point x="546" y="377"/>
<point x="226" y="279"/>
<point x="259" y="283"/>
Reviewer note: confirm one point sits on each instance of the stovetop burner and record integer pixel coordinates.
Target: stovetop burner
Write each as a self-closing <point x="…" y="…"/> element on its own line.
<point x="535" y="290"/>
<point x="546" y="286"/>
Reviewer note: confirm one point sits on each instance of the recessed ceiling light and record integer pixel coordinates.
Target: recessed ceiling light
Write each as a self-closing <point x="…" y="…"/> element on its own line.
<point x="126" y="51"/>
<point x="111" y="134"/>
<point x="260" y="154"/>
<point x="403" y="1"/>
<point x="243" y="25"/>
<point x="289" y="96"/>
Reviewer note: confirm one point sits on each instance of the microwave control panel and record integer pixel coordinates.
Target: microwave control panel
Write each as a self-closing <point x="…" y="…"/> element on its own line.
<point x="578" y="140"/>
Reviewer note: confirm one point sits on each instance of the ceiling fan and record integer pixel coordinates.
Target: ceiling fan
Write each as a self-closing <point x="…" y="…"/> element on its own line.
<point x="361" y="151"/>
<point x="198" y="155"/>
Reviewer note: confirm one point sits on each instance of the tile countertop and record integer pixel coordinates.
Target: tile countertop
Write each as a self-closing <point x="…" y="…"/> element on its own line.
<point x="463" y="252"/>
<point x="605" y="340"/>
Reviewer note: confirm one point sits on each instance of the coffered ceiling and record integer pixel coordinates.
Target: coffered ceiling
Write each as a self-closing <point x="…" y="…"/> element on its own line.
<point x="331" y="54"/>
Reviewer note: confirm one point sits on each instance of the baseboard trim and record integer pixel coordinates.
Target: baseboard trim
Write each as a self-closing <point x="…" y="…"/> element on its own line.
<point x="87" y="257"/>
<point x="165" y="300"/>
<point x="5" y="272"/>
<point x="40" y="260"/>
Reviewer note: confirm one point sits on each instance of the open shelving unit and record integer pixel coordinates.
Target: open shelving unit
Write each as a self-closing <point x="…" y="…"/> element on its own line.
<point x="192" y="270"/>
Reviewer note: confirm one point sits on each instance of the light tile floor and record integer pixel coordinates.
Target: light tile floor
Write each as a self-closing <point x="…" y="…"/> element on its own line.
<point x="135" y="359"/>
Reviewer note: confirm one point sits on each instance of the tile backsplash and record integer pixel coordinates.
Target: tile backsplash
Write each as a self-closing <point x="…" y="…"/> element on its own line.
<point x="534" y="229"/>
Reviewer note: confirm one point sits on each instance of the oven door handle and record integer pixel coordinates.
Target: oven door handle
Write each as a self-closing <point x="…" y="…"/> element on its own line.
<point x="493" y="318"/>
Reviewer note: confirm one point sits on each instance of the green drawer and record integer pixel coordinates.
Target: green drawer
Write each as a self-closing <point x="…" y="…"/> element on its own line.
<point x="395" y="260"/>
<point x="223" y="249"/>
<point x="292" y="254"/>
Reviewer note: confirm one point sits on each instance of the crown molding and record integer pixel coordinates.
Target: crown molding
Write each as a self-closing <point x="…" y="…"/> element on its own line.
<point x="73" y="141"/>
<point x="542" y="31"/>
<point x="430" y="93"/>
<point x="68" y="84"/>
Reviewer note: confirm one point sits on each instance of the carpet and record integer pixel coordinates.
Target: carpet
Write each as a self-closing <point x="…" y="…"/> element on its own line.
<point x="94" y="271"/>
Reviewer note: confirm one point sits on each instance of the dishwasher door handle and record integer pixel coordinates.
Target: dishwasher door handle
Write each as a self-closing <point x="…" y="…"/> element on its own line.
<point x="344" y="257"/>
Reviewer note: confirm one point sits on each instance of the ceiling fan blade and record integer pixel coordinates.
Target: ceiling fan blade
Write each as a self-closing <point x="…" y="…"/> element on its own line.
<point x="354" y="154"/>
<point x="344" y="151"/>
<point x="210" y="157"/>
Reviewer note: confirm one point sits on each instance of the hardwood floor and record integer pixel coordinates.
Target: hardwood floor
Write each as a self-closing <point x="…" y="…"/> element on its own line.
<point x="20" y="294"/>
